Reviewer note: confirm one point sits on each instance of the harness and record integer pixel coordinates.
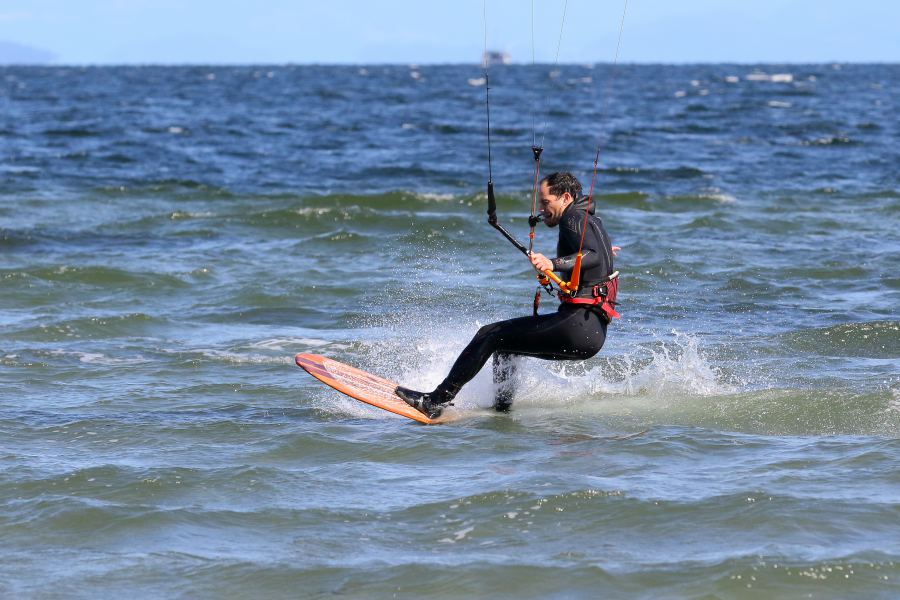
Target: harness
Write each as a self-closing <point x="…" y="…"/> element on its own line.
<point x="603" y="294"/>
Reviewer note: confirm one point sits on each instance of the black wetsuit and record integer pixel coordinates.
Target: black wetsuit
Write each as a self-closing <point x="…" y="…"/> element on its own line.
<point x="574" y="332"/>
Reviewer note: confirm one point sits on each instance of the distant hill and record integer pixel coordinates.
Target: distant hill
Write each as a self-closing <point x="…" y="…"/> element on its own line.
<point x="12" y="53"/>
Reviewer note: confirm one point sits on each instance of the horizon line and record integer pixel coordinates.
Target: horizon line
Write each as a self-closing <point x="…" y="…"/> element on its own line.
<point x="443" y="64"/>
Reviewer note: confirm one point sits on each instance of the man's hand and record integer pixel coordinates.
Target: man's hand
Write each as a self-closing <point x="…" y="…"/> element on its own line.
<point x="540" y="262"/>
<point x="615" y="250"/>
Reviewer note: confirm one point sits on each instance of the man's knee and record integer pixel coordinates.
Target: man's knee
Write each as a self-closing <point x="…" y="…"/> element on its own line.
<point x="487" y="331"/>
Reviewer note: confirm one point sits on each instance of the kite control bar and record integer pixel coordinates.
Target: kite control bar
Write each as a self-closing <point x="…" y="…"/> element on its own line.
<point x="492" y="219"/>
<point x="544" y="276"/>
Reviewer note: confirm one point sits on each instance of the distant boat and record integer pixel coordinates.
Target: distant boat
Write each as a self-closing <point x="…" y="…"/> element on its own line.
<point x="494" y="57"/>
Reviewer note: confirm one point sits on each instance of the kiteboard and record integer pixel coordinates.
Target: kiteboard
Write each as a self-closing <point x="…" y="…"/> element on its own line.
<point x="361" y="385"/>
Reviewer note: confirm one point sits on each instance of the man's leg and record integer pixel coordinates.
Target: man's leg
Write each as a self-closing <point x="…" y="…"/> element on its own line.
<point x="504" y="380"/>
<point x="568" y="334"/>
<point x="538" y="331"/>
<point x="563" y="335"/>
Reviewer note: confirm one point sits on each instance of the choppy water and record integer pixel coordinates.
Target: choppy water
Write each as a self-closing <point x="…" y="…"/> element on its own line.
<point x="170" y="237"/>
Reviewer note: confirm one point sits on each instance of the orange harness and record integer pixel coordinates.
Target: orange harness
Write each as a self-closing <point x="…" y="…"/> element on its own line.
<point x="603" y="294"/>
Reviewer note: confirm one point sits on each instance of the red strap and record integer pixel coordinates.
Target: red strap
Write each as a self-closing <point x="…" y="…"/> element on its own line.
<point x="606" y="302"/>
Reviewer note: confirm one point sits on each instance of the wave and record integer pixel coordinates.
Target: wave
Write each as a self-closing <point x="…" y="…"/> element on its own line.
<point x="672" y="203"/>
<point x="100" y="276"/>
<point x="166" y="188"/>
<point x="283" y="201"/>
<point x="101" y="326"/>
<point x="658" y="174"/>
<point x="99" y="358"/>
<point x="11" y="239"/>
<point x="75" y="132"/>
<point x="833" y="140"/>
<point x="243" y="358"/>
<point x="870" y="339"/>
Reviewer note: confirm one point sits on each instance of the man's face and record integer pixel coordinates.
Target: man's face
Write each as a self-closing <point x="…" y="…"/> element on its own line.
<point x="552" y="207"/>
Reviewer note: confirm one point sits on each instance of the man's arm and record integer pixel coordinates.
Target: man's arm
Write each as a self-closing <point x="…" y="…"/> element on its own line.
<point x="564" y="264"/>
<point x="570" y="237"/>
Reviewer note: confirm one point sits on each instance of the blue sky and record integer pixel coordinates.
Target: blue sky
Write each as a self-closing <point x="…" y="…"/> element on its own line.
<point x="422" y="31"/>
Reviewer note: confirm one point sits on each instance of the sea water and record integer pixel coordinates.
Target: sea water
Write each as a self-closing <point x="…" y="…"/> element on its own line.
<point x="171" y="237"/>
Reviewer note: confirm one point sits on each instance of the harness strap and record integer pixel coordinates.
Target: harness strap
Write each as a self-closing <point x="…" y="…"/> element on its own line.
<point x="602" y="294"/>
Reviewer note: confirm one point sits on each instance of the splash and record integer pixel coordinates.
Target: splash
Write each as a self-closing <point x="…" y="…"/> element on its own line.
<point x="661" y="370"/>
<point x="673" y="379"/>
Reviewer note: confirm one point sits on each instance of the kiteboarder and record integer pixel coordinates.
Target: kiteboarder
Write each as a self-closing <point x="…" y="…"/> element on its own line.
<point x="576" y="331"/>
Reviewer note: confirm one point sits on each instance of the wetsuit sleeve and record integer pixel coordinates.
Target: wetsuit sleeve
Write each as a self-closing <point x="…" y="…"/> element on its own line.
<point x="564" y="264"/>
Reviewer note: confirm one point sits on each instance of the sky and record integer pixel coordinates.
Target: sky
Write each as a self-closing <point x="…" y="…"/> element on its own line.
<point x="446" y="31"/>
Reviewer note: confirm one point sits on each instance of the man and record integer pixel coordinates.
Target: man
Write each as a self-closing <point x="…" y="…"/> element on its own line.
<point x="575" y="332"/>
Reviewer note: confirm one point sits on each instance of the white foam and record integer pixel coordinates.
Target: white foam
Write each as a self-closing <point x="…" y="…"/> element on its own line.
<point x="779" y="104"/>
<point x="99" y="358"/>
<point x="247" y="359"/>
<point x="184" y="214"/>
<point x="439" y="353"/>
<point x="774" y="78"/>
<point x="435" y="196"/>
<point x="681" y="368"/>
<point x="313" y="210"/>
<point x="477" y="81"/>
<point x="278" y="344"/>
<point x="719" y="197"/>
<point x="676" y="369"/>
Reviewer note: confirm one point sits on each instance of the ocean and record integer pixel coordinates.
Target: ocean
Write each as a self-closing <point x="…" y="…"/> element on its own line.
<point x="171" y="236"/>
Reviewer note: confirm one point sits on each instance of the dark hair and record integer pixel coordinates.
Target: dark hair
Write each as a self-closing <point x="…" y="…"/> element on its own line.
<point x="561" y="182"/>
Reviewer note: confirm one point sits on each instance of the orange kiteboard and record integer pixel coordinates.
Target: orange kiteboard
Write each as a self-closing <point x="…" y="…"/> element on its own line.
<point x="361" y="386"/>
